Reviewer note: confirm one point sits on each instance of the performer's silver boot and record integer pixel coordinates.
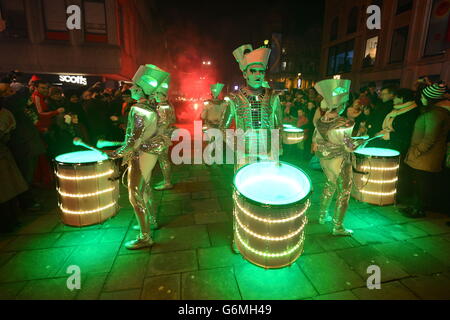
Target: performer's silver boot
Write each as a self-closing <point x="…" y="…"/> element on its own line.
<point x="341" y="210"/>
<point x="144" y="240"/>
<point x="327" y="197"/>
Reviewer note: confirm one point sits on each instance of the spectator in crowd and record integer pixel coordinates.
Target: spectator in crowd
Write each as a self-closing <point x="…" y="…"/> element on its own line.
<point x="25" y="142"/>
<point x="13" y="184"/>
<point x="356" y="113"/>
<point x="379" y="113"/>
<point x="55" y="99"/>
<point x="32" y="83"/>
<point x="39" y="99"/>
<point x="372" y="94"/>
<point x="97" y="113"/>
<point x="398" y="125"/>
<point x="426" y="154"/>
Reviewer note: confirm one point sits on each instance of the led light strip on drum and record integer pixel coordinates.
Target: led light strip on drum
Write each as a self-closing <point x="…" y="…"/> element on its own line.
<point x="295" y="139"/>
<point x="87" y="212"/>
<point x="251" y="215"/>
<point x="380" y="168"/>
<point x="103" y="174"/>
<point x="84" y="195"/>
<point x="286" y="237"/>
<point x="364" y="179"/>
<point x="270" y="255"/>
<point x="379" y="193"/>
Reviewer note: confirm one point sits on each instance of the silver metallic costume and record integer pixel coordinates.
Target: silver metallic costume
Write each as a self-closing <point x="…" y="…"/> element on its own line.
<point x="162" y="142"/>
<point x="214" y="109"/>
<point x="255" y="109"/>
<point x="334" y="149"/>
<point x="139" y="151"/>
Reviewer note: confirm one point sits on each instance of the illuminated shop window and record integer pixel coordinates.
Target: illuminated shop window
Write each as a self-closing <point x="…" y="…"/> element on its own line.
<point x="13" y="14"/>
<point x="340" y="58"/>
<point x="371" y="52"/>
<point x="438" y="38"/>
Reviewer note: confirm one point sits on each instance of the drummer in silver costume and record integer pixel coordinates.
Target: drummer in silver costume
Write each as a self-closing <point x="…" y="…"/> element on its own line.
<point x="138" y="153"/>
<point x="161" y="143"/>
<point x="255" y="108"/>
<point x="334" y="149"/>
<point x="214" y="109"/>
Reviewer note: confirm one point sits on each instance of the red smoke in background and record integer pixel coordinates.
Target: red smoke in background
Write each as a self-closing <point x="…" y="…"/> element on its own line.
<point x="191" y="79"/>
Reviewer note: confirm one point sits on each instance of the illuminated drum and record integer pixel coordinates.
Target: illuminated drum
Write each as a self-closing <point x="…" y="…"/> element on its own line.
<point x="377" y="176"/>
<point x="87" y="190"/>
<point x="270" y="205"/>
<point x="292" y="135"/>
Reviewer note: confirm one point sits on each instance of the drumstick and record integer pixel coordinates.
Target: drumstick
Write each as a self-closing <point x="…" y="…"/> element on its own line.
<point x="105" y="143"/>
<point x="78" y="142"/>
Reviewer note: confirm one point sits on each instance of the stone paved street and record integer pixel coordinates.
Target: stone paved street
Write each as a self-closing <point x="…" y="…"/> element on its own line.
<point x="192" y="258"/>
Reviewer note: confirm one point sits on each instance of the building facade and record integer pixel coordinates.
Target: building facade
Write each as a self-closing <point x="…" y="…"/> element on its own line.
<point x="413" y="42"/>
<point x="116" y="36"/>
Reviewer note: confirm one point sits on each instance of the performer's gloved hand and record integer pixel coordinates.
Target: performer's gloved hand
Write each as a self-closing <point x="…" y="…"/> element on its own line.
<point x="111" y="154"/>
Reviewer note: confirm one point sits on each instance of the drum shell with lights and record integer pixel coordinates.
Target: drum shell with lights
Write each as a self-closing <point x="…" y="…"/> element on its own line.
<point x="379" y="185"/>
<point x="87" y="192"/>
<point x="270" y="235"/>
<point x="292" y="135"/>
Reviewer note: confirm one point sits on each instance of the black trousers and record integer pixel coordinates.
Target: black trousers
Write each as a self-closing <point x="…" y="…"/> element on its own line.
<point x="419" y="189"/>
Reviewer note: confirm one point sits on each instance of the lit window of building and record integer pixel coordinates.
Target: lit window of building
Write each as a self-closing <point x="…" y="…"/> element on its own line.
<point x="371" y="52"/>
<point x="438" y="37"/>
<point x="399" y="41"/>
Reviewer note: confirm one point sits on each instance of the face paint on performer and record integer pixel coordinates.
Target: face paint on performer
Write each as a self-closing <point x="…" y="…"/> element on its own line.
<point x="254" y="75"/>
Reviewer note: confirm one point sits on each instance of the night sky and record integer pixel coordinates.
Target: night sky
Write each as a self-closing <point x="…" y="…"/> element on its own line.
<point x="198" y="30"/>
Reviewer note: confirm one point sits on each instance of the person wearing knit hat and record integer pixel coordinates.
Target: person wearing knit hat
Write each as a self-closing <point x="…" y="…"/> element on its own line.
<point x="427" y="151"/>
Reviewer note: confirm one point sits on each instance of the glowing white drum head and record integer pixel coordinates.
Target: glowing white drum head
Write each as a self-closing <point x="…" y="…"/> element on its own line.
<point x="270" y="184"/>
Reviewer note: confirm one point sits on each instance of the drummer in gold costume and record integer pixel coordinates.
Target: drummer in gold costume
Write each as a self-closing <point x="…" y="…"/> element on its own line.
<point x="334" y="149"/>
<point x="140" y="153"/>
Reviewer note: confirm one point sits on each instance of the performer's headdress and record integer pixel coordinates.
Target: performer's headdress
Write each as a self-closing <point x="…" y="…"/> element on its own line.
<point x="246" y="56"/>
<point x="335" y="92"/>
<point x="164" y="87"/>
<point x="216" y="89"/>
<point x="149" y="78"/>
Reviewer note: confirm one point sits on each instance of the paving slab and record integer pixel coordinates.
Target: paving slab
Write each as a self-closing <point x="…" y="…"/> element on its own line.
<point x="165" y="287"/>
<point x="47" y="289"/>
<point x="434" y="287"/>
<point x="389" y="291"/>
<point x="183" y="238"/>
<point x="360" y="259"/>
<point x="91" y="286"/>
<point x="435" y="246"/>
<point x="329" y="273"/>
<point x="342" y="295"/>
<point x="214" y="284"/>
<point x="91" y="259"/>
<point x="128" y="272"/>
<point x="133" y="294"/>
<point x="34" y="264"/>
<point x="215" y="257"/>
<point x="172" y="262"/>
<point x="411" y="259"/>
<point x="256" y="283"/>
